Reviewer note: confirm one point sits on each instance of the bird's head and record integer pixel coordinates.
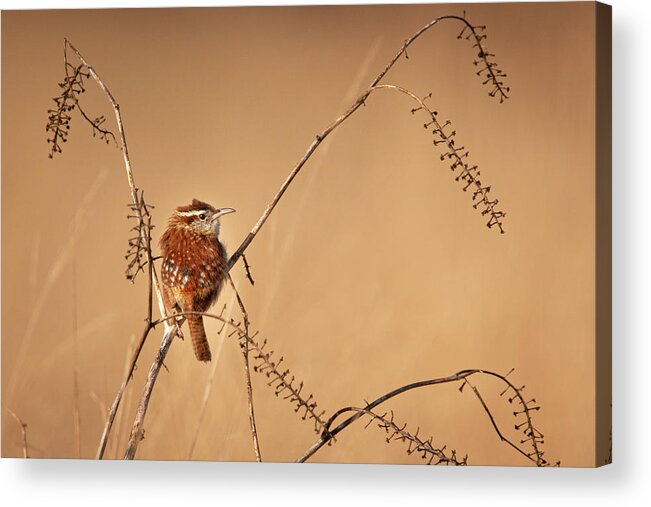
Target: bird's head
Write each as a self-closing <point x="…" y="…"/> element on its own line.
<point x="200" y="216"/>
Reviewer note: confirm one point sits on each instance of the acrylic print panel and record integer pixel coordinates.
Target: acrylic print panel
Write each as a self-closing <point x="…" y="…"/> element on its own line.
<point x="435" y="275"/>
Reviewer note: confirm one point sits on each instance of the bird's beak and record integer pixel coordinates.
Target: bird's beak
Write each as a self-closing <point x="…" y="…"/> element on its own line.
<point x="222" y="211"/>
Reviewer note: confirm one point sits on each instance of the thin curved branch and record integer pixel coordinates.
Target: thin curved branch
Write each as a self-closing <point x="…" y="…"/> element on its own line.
<point x="458" y="156"/>
<point x="494" y="424"/>
<point x="427" y="451"/>
<point x="328" y="434"/>
<point x="118" y="117"/>
<point x="482" y="54"/>
<point x="108" y="425"/>
<point x="141" y="244"/>
<point x="534" y="436"/>
<point x="137" y="431"/>
<point x="104" y="134"/>
<point x="171" y="330"/>
<point x="244" y="345"/>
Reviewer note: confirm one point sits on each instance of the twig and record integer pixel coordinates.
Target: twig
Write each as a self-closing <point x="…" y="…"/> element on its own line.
<point x="247" y="268"/>
<point x="458" y="155"/>
<point x="118" y="397"/>
<point x="23" y="431"/>
<point x="139" y="250"/>
<point x="118" y="115"/>
<point x="59" y="119"/>
<point x="483" y="55"/>
<point x="244" y="346"/>
<point x="535" y="456"/>
<point x="171" y="330"/>
<point x="128" y="361"/>
<point x="433" y="455"/>
<point x="327" y="435"/>
<point x="145" y="228"/>
<point x="137" y="431"/>
<point x="492" y="420"/>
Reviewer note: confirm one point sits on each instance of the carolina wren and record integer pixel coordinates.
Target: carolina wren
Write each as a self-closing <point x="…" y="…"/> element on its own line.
<point x="195" y="266"/>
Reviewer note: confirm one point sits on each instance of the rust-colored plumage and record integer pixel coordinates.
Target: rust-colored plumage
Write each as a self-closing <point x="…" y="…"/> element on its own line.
<point x="194" y="266"/>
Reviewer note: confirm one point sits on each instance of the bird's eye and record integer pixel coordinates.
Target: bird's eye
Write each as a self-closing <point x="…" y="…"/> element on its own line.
<point x="202" y="216"/>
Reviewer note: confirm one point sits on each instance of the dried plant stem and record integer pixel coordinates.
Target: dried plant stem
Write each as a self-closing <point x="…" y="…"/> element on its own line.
<point x="249" y="391"/>
<point x="354" y="107"/>
<point x="493" y="423"/>
<point x="535" y="456"/>
<point x="118" y="116"/>
<point x="137" y="432"/>
<point x="128" y="361"/>
<point x="247" y="371"/>
<point x="23" y="431"/>
<point x="171" y="329"/>
<point x="132" y="366"/>
<point x="328" y="434"/>
<point x="247" y="269"/>
<point x="433" y="455"/>
<point x="118" y="398"/>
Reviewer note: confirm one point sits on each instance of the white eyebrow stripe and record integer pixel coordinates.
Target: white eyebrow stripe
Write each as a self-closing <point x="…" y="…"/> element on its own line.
<point x="193" y="213"/>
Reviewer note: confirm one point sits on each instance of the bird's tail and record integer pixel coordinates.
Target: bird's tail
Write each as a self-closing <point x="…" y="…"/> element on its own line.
<point x="199" y="340"/>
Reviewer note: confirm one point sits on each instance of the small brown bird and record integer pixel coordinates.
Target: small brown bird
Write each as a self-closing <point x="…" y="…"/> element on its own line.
<point x="195" y="266"/>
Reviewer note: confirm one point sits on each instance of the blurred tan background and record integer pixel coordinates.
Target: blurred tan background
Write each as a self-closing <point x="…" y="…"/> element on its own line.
<point x="374" y="271"/>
